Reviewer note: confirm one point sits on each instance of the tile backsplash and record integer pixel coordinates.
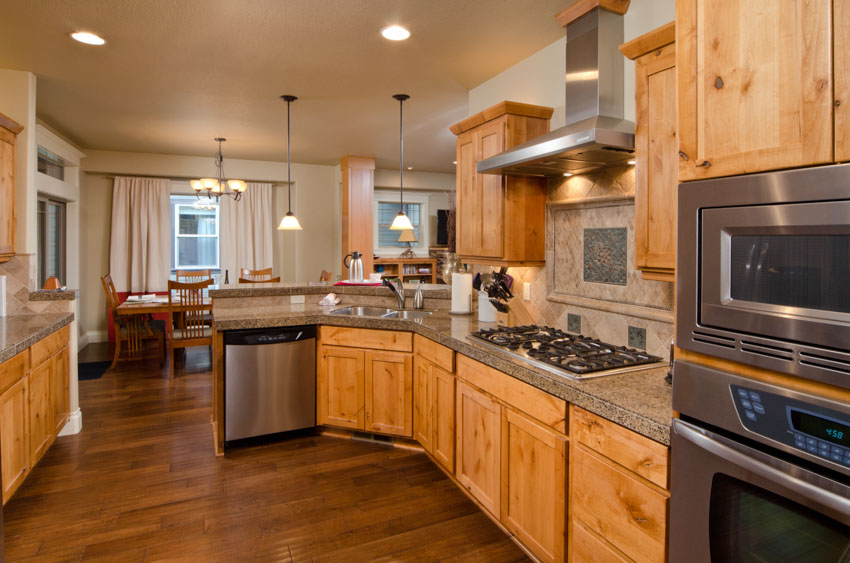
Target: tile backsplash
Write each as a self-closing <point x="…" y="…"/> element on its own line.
<point x="605" y="255"/>
<point x="21" y="273"/>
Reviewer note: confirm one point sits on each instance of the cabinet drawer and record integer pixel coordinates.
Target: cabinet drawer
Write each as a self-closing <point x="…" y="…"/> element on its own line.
<point x="46" y="347"/>
<point x="636" y="453"/>
<point x="366" y="338"/>
<point x="435" y="353"/>
<point x="12" y="370"/>
<point x="612" y="502"/>
<point x="587" y="547"/>
<point x="543" y="406"/>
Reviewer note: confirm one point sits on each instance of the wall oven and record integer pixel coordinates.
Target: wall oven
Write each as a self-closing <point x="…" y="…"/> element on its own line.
<point x="759" y="472"/>
<point x="764" y="271"/>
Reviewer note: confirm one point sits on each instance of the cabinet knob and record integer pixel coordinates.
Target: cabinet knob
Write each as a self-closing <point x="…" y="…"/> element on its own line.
<point x="704" y="164"/>
<point x="718" y="83"/>
<point x="682" y="155"/>
<point x="837" y="103"/>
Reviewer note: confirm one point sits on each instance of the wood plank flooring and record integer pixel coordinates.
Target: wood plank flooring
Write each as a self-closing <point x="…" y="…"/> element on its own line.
<point x="140" y="483"/>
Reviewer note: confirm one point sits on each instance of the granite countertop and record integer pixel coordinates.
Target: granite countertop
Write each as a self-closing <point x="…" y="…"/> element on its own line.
<point x="640" y="400"/>
<point x="437" y="291"/>
<point x="19" y="332"/>
<point x="54" y="295"/>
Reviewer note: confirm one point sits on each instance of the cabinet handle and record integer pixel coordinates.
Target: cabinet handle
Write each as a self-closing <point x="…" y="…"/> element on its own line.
<point x="705" y="164"/>
<point x="718" y="83"/>
<point x="683" y="156"/>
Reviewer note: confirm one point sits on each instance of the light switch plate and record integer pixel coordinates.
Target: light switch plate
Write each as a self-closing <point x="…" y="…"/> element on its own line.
<point x="526" y="291"/>
<point x="296" y="299"/>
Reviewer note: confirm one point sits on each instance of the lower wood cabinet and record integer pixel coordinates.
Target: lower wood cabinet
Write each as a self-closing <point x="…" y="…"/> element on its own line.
<point x="434" y="410"/>
<point x="41" y="430"/>
<point x="587" y="547"/>
<point x="14" y="446"/>
<point x="534" y="484"/>
<point x="61" y="389"/>
<point x="479" y="443"/>
<point x="365" y="389"/>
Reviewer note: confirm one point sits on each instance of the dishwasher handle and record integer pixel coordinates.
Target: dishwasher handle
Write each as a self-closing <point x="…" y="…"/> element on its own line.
<point x="261" y="336"/>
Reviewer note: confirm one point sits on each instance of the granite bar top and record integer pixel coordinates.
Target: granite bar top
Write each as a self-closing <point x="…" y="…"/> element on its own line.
<point x="640" y="400"/>
<point x="435" y="291"/>
<point x="19" y="332"/>
<point x="54" y="295"/>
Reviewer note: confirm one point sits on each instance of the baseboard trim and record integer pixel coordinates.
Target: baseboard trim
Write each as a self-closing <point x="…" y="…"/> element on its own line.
<point x="74" y="424"/>
<point x="92" y="336"/>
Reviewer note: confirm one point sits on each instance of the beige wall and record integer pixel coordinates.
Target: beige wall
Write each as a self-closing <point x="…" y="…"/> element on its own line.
<point x="539" y="79"/>
<point x="298" y="256"/>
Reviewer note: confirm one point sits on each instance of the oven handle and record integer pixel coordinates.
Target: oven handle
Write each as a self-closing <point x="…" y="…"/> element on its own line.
<point x="743" y="457"/>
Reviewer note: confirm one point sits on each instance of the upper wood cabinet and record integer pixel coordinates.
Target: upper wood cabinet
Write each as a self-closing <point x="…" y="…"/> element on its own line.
<point x="656" y="151"/>
<point x="756" y="85"/>
<point x="500" y="219"/>
<point x="9" y="130"/>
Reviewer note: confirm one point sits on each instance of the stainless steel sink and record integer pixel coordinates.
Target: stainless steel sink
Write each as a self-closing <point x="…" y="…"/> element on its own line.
<point x="364" y="311"/>
<point x="408" y="315"/>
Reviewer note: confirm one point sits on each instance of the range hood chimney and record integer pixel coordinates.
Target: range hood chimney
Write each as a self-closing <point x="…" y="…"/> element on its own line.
<point x="596" y="136"/>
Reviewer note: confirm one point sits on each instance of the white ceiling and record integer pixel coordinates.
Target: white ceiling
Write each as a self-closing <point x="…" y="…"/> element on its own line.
<point x="177" y="73"/>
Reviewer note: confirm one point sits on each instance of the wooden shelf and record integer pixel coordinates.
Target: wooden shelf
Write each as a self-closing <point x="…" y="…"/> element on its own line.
<point x="394" y="267"/>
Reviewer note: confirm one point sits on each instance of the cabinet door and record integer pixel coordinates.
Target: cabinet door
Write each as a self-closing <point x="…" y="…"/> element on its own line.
<point x="422" y="403"/>
<point x="60" y="389"/>
<point x="587" y="547"/>
<point x="389" y="393"/>
<point x="340" y="387"/>
<point x="656" y="173"/>
<point x="468" y="203"/>
<point x="40" y="410"/>
<point x="14" y="448"/>
<point x="755" y="85"/>
<point x="534" y="485"/>
<point x="841" y="66"/>
<point x="490" y="141"/>
<point x="479" y="439"/>
<point x="443" y="417"/>
<point x="7" y="194"/>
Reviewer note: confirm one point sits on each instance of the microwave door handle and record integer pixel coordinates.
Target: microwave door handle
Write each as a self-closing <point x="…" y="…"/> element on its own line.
<point x="730" y="451"/>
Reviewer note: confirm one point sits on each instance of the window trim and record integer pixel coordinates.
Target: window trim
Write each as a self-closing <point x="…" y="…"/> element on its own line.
<point x="389" y="196"/>
<point x="177" y="236"/>
<point x="62" y="243"/>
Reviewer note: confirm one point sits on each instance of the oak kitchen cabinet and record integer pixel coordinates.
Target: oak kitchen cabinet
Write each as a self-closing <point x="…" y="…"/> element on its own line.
<point x="656" y="151"/>
<point x="365" y="380"/>
<point x="500" y="219"/>
<point x="755" y="85"/>
<point x="34" y="406"/>
<point x="434" y="400"/>
<point x="9" y="130"/>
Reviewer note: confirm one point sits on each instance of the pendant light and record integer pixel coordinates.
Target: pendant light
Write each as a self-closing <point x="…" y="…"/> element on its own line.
<point x="214" y="188"/>
<point x="401" y="221"/>
<point x="289" y="221"/>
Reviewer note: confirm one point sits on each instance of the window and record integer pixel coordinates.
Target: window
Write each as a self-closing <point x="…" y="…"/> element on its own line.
<point x="51" y="164"/>
<point x="195" y="232"/>
<point x="387" y="212"/>
<point x="51" y="240"/>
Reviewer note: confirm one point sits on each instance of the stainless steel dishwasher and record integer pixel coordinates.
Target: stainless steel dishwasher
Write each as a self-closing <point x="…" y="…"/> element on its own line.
<point x="269" y="381"/>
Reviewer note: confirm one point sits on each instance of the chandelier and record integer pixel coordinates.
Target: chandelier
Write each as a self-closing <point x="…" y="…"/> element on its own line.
<point x="214" y="188"/>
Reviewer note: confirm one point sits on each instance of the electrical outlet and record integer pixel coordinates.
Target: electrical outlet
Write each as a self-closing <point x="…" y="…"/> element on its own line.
<point x="526" y="291"/>
<point x="296" y="299"/>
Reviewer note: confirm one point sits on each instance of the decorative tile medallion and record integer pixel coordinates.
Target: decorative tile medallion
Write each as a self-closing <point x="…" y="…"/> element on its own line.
<point x="574" y="323"/>
<point x="605" y="255"/>
<point x="637" y="337"/>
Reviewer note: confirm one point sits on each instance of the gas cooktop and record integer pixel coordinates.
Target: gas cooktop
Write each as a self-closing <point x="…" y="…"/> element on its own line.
<point x="566" y="354"/>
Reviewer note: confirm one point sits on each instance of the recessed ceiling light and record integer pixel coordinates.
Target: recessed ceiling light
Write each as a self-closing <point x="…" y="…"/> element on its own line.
<point x="88" y="38"/>
<point x="410" y="168"/>
<point x="632" y="162"/>
<point x="568" y="174"/>
<point x="395" y="33"/>
<point x="454" y="162"/>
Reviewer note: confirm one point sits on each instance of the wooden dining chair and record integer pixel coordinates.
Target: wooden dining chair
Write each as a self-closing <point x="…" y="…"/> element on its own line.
<point x="132" y="332"/>
<point x="253" y="276"/>
<point x="189" y="314"/>
<point x="269" y="280"/>
<point x="192" y="276"/>
<point x="325" y="276"/>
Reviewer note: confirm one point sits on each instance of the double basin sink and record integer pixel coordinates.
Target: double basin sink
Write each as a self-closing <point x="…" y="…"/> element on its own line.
<point x="380" y="312"/>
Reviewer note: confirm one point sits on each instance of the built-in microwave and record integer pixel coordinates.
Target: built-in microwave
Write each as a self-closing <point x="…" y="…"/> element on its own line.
<point x="763" y="271"/>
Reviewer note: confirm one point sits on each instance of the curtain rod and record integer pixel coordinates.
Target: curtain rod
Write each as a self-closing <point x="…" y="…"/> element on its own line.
<point x="173" y="179"/>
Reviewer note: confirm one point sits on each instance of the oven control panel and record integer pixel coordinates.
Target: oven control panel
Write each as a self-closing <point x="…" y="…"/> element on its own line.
<point x="812" y="429"/>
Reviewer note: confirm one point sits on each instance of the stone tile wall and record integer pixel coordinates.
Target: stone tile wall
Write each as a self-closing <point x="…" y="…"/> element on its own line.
<point x="21" y="274"/>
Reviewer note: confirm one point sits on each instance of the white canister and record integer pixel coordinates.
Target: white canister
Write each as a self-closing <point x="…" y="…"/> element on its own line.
<point x="486" y="310"/>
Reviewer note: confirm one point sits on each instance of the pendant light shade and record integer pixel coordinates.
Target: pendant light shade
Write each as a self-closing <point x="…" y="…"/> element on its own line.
<point x="401" y="221"/>
<point x="289" y="221"/>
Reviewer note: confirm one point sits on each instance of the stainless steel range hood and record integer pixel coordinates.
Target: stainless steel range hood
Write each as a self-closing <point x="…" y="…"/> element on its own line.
<point x="596" y="135"/>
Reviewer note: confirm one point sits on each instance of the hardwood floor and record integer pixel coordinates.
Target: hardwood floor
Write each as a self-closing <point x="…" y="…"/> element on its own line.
<point x="140" y="483"/>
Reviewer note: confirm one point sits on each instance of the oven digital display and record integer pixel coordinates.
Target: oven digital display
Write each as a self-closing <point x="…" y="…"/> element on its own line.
<point x="822" y="428"/>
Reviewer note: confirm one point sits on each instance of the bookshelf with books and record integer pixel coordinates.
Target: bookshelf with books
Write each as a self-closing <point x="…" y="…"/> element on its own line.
<point x="423" y="270"/>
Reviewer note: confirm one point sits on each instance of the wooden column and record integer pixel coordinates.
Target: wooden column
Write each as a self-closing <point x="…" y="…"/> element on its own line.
<point x="358" y="183"/>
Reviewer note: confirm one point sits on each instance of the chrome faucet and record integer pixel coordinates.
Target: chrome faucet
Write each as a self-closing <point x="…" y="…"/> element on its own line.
<point x="398" y="291"/>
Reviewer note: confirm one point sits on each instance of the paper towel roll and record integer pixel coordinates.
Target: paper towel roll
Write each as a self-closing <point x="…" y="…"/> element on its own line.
<point x="461" y="292"/>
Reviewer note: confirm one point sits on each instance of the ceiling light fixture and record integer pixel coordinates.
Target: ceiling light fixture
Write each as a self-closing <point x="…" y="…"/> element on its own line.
<point x="632" y="162"/>
<point x="214" y="188"/>
<point x="401" y="221"/>
<point x="395" y="33"/>
<point x="289" y="221"/>
<point x="567" y="174"/>
<point x="88" y="38"/>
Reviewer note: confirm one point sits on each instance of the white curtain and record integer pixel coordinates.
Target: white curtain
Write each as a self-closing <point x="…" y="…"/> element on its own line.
<point x="246" y="231"/>
<point x="140" y="249"/>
